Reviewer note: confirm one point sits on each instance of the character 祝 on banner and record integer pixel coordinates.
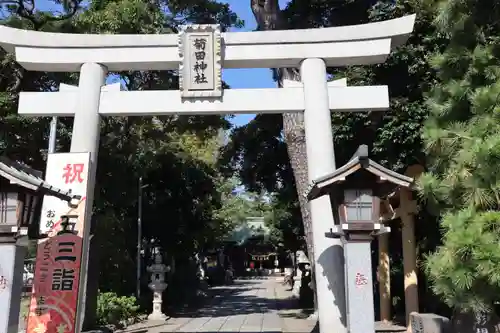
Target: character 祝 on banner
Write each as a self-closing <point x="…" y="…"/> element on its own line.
<point x="73" y="172"/>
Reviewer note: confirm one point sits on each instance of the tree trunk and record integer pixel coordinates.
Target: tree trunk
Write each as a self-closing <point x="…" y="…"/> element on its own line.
<point x="293" y="128"/>
<point x="268" y="16"/>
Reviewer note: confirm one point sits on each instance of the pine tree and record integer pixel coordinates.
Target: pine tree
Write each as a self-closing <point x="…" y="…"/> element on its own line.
<point x="462" y="138"/>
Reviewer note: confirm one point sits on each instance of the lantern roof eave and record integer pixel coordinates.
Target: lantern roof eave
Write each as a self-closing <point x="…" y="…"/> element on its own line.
<point x="360" y="160"/>
<point x="26" y="177"/>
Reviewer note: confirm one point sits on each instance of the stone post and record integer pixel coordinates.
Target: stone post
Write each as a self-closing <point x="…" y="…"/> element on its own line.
<point x="11" y="282"/>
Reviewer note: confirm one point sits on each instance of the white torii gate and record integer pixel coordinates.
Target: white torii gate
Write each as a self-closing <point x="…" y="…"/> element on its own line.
<point x="311" y="50"/>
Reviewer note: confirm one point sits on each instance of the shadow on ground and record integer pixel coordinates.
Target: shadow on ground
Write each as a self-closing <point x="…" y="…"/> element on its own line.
<point x="239" y="305"/>
<point x="233" y="300"/>
<point x="256" y="277"/>
<point x="230" y="300"/>
<point x="300" y="314"/>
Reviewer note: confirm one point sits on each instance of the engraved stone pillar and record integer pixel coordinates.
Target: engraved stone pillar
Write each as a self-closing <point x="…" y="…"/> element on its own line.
<point x="359" y="286"/>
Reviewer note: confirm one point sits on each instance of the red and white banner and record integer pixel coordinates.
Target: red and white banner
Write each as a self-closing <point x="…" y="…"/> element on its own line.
<point x="54" y="301"/>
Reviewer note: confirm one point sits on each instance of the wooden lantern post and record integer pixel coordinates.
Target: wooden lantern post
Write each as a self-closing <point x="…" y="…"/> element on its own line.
<point x="384" y="268"/>
<point x="407" y="209"/>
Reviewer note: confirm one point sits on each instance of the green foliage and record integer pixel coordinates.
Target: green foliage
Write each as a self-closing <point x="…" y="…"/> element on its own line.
<point x="116" y="310"/>
<point x="465" y="270"/>
<point x="237" y="207"/>
<point x="283" y="220"/>
<point x="462" y="139"/>
<point x="393" y="135"/>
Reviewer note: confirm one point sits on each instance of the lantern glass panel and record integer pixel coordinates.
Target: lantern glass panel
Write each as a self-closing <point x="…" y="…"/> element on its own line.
<point x="358" y="205"/>
<point x="8" y="208"/>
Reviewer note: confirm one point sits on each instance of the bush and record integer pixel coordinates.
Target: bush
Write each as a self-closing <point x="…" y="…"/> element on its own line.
<point x="465" y="271"/>
<point x="116" y="310"/>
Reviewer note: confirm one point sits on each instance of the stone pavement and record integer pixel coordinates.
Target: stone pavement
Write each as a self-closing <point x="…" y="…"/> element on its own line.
<point x="249" y="306"/>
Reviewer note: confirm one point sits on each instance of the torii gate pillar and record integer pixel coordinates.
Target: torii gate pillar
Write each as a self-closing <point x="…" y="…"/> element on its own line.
<point x="85" y="138"/>
<point x="328" y="252"/>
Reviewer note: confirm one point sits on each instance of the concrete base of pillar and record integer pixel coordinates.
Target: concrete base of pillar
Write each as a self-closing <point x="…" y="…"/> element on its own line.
<point x="157" y="316"/>
<point x="297" y="284"/>
<point x="313" y="316"/>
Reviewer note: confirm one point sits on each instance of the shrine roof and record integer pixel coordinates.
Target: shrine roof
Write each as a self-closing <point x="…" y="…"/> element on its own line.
<point x="360" y="160"/>
<point x="24" y="176"/>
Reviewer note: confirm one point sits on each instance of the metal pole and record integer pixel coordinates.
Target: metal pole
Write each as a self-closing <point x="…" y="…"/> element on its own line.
<point x="53" y="135"/>
<point x="139" y="238"/>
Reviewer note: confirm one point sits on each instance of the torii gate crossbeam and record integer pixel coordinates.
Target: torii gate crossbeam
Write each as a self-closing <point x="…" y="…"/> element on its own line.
<point x="234" y="101"/>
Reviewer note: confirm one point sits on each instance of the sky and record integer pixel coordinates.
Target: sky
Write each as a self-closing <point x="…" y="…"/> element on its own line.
<point x="247" y="77"/>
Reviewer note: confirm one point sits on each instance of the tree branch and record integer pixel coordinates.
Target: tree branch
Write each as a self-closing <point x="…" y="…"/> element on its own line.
<point x="19" y="74"/>
<point x="26" y="10"/>
<point x="268" y="15"/>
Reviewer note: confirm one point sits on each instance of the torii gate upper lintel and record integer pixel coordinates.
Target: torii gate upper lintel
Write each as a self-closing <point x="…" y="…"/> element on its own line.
<point x="200" y="54"/>
<point x="338" y="46"/>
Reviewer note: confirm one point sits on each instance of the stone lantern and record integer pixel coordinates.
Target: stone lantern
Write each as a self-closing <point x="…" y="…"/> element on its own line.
<point x="303" y="264"/>
<point x="158" y="285"/>
<point x="21" y="193"/>
<point x="355" y="190"/>
<point x="276" y="264"/>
